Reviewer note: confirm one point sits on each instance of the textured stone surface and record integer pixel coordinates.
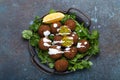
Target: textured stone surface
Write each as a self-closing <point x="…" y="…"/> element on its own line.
<point x="15" y="16"/>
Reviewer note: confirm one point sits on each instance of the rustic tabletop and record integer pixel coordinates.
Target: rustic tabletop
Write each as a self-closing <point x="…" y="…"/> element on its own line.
<point x="16" y="15"/>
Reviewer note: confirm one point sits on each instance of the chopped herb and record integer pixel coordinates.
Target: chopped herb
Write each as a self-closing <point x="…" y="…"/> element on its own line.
<point x="71" y="16"/>
<point x="27" y="34"/>
<point x="36" y="23"/>
<point x="34" y="40"/>
<point x="51" y="37"/>
<point x="51" y="65"/>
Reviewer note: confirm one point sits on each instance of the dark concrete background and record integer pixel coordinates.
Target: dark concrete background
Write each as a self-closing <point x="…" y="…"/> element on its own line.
<point x="15" y="16"/>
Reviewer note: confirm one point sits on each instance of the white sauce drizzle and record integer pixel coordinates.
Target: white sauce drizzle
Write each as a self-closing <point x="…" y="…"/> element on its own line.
<point x="67" y="49"/>
<point x="46" y="40"/>
<point x="46" y="44"/>
<point x="79" y="45"/>
<point x="46" y="33"/>
<point x="55" y="25"/>
<point x="55" y="42"/>
<point x="73" y="34"/>
<point x="85" y="42"/>
<point x="58" y="29"/>
<point x="58" y="47"/>
<point x="54" y="51"/>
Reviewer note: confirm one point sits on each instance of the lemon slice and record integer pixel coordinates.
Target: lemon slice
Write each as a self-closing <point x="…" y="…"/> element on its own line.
<point x="64" y="30"/>
<point x="53" y="17"/>
<point x="67" y="41"/>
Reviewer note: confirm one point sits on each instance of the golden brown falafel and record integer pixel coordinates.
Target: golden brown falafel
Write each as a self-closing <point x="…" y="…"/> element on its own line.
<point x="57" y="40"/>
<point x="54" y="27"/>
<point x="44" y="30"/>
<point x="61" y="65"/>
<point x="70" y="53"/>
<point x="75" y="38"/>
<point x="56" y="50"/>
<point x="71" y="24"/>
<point x="83" y="46"/>
<point x="44" y="43"/>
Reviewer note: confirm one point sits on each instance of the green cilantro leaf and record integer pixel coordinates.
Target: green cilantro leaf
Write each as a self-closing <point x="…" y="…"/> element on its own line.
<point x="70" y="16"/>
<point x="36" y="23"/>
<point x="27" y="34"/>
<point x="34" y="40"/>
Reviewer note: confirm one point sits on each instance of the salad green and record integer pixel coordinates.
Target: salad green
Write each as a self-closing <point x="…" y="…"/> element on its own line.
<point x="27" y="34"/>
<point x="79" y="61"/>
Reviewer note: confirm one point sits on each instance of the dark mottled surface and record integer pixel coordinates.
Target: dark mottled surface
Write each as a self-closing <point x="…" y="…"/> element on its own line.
<point x="15" y="16"/>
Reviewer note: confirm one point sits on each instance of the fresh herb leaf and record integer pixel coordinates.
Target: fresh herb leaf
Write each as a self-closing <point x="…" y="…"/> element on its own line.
<point x="86" y="64"/>
<point x="80" y="65"/>
<point x="27" y="34"/>
<point x="34" y="40"/>
<point x="51" y="65"/>
<point x="70" y="16"/>
<point x="94" y="49"/>
<point x="51" y="37"/>
<point x="76" y="58"/>
<point x="73" y="16"/>
<point x="44" y="57"/>
<point x="36" y="23"/>
<point x="94" y="42"/>
<point x="82" y="31"/>
<point x="94" y="35"/>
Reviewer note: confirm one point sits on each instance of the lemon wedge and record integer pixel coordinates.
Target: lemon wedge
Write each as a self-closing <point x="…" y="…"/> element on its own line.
<point x="53" y="17"/>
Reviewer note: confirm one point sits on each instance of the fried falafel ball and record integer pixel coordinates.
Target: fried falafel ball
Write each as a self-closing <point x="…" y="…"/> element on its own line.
<point x="71" y="24"/>
<point x="83" y="46"/>
<point x="70" y="53"/>
<point x="61" y="65"/>
<point x="54" y="27"/>
<point x="44" y="43"/>
<point x="44" y="30"/>
<point x="75" y="38"/>
<point x="57" y="40"/>
<point x="55" y="52"/>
